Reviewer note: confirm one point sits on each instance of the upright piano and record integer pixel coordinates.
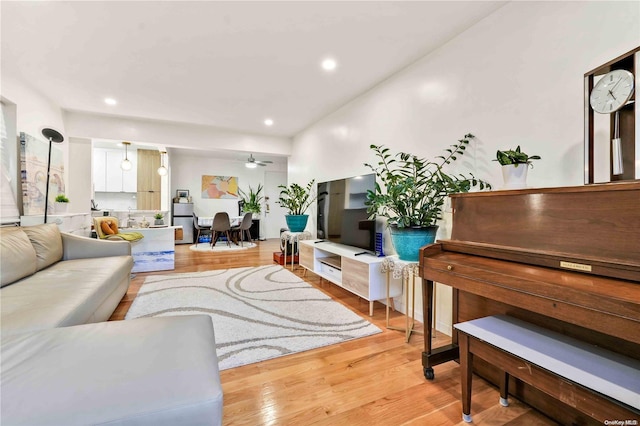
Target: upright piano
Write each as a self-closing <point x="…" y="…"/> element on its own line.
<point x="567" y="259"/>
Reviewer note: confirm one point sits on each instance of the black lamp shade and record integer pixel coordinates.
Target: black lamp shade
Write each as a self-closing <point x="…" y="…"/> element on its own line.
<point x="52" y="135"/>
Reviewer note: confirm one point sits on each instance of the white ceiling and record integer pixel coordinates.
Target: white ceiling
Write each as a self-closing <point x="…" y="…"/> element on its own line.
<point x="221" y="63"/>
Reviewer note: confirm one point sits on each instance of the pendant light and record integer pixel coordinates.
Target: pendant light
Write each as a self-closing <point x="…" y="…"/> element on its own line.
<point x="126" y="164"/>
<point x="162" y="170"/>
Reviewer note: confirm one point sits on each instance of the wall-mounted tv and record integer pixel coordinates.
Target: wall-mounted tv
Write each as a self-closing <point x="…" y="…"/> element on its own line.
<point x="342" y="214"/>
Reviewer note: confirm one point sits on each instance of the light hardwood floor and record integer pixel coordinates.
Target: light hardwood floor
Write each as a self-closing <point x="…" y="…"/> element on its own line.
<point x="375" y="380"/>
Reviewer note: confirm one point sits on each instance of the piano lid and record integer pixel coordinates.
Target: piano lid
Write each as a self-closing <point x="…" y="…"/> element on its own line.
<point x="593" y="229"/>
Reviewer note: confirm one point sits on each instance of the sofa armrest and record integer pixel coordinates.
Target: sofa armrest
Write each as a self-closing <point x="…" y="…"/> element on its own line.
<point x="75" y="247"/>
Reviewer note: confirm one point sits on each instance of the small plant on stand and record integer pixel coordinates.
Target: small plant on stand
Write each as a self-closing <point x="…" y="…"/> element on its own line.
<point x="61" y="204"/>
<point x="158" y="219"/>
<point x="514" y="176"/>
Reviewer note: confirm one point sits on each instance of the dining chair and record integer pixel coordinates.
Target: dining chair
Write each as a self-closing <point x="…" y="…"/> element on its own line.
<point x="201" y="229"/>
<point x="221" y="224"/>
<point x="243" y="228"/>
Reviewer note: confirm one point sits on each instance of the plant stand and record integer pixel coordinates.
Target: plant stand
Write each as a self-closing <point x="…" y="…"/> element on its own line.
<point x="407" y="271"/>
<point x="293" y="238"/>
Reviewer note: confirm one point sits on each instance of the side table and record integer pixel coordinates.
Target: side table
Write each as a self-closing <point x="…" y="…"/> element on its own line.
<point x="293" y="238"/>
<point x="407" y="271"/>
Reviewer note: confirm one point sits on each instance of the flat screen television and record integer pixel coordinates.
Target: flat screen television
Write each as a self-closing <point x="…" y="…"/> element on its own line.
<point x="342" y="214"/>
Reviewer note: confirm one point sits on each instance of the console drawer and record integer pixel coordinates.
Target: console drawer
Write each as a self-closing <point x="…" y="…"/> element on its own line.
<point x="331" y="272"/>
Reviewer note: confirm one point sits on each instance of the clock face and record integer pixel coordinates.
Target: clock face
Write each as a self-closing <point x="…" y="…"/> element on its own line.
<point x="612" y="91"/>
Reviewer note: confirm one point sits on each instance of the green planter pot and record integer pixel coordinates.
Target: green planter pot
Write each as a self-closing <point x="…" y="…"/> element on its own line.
<point x="296" y="223"/>
<point x="408" y="241"/>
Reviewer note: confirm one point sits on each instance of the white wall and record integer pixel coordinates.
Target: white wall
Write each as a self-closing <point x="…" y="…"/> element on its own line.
<point x="79" y="172"/>
<point x="515" y="78"/>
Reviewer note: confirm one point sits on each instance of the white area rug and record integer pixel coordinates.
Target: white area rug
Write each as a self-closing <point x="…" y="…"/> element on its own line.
<point x="258" y="313"/>
<point x="221" y="246"/>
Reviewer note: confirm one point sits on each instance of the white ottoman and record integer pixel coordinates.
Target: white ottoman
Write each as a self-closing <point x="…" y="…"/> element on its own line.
<point x="151" y="371"/>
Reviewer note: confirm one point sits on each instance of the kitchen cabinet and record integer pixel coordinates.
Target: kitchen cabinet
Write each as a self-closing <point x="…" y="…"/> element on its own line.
<point x="108" y="176"/>
<point x="149" y="181"/>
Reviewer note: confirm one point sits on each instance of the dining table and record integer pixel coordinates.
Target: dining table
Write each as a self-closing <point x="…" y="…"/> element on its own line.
<point x="207" y="221"/>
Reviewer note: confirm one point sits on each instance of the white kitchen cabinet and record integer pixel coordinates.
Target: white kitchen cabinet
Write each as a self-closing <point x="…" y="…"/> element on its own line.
<point x="108" y="176"/>
<point x="99" y="170"/>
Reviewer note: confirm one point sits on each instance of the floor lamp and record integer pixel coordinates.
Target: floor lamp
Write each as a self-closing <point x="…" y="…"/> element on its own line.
<point x="52" y="136"/>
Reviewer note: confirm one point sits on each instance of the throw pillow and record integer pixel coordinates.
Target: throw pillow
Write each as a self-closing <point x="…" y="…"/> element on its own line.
<point x="114" y="226"/>
<point x="106" y="228"/>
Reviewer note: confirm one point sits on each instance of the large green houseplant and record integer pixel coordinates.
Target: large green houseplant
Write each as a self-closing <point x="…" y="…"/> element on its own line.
<point x="410" y="192"/>
<point x="297" y="199"/>
<point x="252" y="202"/>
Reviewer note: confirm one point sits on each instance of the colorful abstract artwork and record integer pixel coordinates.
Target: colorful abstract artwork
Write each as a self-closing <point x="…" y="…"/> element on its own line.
<point x="33" y="163"/>
<point x="219" y="187"/>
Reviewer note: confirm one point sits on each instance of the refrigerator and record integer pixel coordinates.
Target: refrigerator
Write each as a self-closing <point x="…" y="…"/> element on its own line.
<point x="182" y="215"/>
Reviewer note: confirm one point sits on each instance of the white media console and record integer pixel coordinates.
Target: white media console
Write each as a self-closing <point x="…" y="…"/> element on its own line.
<point x="347" y="267"/>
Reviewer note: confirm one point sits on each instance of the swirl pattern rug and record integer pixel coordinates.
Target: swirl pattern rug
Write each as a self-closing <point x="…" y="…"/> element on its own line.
<point x="258" y="313"/>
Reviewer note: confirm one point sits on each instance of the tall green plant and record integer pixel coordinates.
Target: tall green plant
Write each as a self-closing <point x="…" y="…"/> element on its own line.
<point x="414" y="189"/>
<point x="297" y="199"/>
<point x="252" y="200"/>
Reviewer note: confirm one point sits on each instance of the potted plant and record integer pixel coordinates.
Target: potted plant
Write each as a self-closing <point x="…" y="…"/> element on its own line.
<point x="513" y="175"/>
<point x="410" y="192"/>
<point x="61" y="203"/>
<point x="297" y="199"/>
<point x="251" y="202"/>
<point x="158" y="219"/>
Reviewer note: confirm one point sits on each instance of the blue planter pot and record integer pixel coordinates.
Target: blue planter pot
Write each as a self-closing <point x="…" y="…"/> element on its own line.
<point x="408" y="241"/>
<point x="296" y="223"/>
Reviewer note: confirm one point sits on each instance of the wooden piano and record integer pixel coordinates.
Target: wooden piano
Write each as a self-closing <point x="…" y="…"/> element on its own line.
<point x="567" y="259"/>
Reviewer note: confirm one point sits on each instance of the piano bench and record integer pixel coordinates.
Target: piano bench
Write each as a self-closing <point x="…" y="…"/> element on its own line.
<point x="599" y="383"/>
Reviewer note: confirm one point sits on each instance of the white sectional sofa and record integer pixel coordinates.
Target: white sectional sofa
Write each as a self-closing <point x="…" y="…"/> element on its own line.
<point x="51" y="279"/>
<point x="62" y="364"/>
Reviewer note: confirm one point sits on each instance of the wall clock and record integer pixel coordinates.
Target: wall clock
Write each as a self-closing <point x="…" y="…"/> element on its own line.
<point x="612" y="120"/>
<point x="612" y="91"/>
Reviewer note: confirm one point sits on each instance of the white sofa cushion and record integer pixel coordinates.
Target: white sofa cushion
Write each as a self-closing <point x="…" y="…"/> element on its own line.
<point x="67" y="293"/>
<point x="47" y="242"/>
<point x="17" y="255"/>
<point x="149" y="371"/>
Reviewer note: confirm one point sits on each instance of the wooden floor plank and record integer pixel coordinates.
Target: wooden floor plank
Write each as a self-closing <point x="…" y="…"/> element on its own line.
<point x="375" y="380"/>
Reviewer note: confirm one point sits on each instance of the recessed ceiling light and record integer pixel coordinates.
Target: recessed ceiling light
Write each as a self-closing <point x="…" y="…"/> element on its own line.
<point x="110" y="101"/>
<point x="268" y="122"/>
<point x="329" y="64"/>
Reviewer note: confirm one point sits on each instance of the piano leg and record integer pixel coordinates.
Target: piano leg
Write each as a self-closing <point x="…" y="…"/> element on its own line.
<point x="466" y="370"/>
<point x="427" y="306"/>
<point x="431" y="356"/>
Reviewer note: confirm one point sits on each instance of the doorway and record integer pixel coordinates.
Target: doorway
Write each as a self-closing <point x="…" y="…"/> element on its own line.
<point x="273" y="212"/>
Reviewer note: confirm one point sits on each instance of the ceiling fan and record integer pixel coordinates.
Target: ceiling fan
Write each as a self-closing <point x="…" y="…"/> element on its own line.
<point x="252" y="163"/>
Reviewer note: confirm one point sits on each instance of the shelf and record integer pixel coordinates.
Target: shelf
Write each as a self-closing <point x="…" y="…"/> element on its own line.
<point x="335" y="261"/>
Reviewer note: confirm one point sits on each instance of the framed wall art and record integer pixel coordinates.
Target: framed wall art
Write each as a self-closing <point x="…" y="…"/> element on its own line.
<point x="219" y="187"/>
